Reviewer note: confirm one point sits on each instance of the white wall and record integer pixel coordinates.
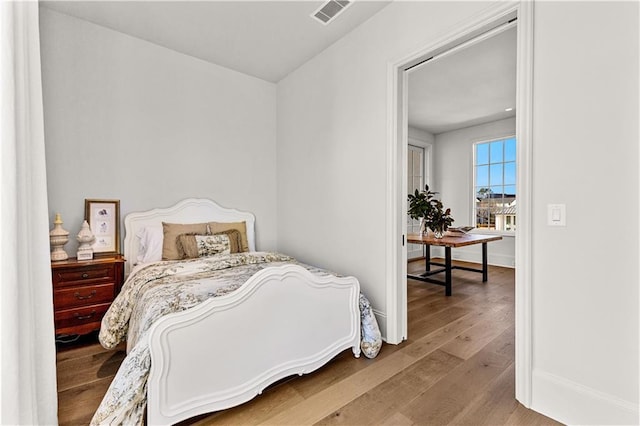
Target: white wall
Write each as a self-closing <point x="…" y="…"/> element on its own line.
<point x="455" y="185"/>
<point x="126" y="119"/>
<point x="585" y="151"/>
<point x="420" y="135"/>
<point x="332" y="165"/>
<point x="332" y="143"/>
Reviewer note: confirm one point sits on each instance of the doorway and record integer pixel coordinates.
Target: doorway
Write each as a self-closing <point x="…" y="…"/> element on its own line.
<point x="476" y="29"/>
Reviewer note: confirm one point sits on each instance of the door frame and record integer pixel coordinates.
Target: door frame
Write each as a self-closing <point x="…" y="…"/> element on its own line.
<point x="397" y="127"/>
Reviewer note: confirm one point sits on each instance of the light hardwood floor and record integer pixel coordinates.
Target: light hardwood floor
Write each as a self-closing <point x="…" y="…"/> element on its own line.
<point x="457" y="367"/>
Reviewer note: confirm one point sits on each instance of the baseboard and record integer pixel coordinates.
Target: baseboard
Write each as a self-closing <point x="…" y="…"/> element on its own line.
<point x="572" y="403"/>
<point x="505" y="261"/>
<point x="381" y="317"/>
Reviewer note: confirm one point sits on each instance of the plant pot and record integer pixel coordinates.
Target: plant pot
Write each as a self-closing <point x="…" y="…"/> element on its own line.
<point x="438" y="233"/>
<point x="423" y="226"/>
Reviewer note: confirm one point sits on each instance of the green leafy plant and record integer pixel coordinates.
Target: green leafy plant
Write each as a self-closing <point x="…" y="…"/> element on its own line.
<point x="423" y="204"/>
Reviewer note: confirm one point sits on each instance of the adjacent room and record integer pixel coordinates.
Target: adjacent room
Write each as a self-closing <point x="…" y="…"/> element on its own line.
<point x="462" y="144"/>
<point x="206" y="215"/>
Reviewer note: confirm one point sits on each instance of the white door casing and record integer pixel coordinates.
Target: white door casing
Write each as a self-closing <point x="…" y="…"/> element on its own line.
<point x="397" y="155"/>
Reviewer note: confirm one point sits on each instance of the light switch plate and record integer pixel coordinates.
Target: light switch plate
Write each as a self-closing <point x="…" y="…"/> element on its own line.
<point x="557" y="214"/>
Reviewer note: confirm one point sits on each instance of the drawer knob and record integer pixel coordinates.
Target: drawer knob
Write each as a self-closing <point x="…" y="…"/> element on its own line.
<point x="83" y="317"/>
<point x="85" y="275"/>
<point x="89" y="296"/>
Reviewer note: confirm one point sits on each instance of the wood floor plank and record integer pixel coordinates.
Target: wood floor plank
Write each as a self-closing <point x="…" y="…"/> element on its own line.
<point x="494" y="406"/>
<point x="325" y="402"/>
<point x="524" y="416"/>
<point x="378" y="403"/>
<point x="477" y="337"/>
<point x="85" y="346"/>
<point x="274" y="400"/>
<point x="418" y="291"/>
<point x="72" y="373"/>
<point x="487" y="299"/>
<point x="440" y="404"/>
<point x="434" y="302"/>
<point x="397" y="419"/>
<point x="344" y="365"/>
<point x="443" y="334"/>
<point x="430" y="323"/>
<point x="77" y="405"/>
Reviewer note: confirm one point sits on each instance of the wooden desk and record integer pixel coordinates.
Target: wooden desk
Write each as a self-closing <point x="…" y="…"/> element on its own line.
<point x="448" y="242"/>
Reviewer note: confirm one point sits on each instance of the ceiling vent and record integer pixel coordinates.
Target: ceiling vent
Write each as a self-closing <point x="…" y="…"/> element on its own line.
<point x="328" y="11"/>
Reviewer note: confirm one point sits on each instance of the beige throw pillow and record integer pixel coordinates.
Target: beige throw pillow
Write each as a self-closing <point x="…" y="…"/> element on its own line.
<point x="187" y="244"/>
<point x="171" y="231"/>
<point x="211" y="245"/>
<point x="216" y="227"/>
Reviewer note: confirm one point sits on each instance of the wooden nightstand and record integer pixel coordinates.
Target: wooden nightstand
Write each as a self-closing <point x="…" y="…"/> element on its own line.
<point x="83" y="291"/>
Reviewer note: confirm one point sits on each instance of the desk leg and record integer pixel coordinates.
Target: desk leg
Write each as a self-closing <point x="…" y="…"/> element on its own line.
<point x="427" y="257"/>
<point x="447" y="272"/>
<point x="485" y="270"/>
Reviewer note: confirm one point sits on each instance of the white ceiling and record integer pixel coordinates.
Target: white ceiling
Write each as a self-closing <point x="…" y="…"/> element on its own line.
<point x="270" y="39"/>
<point x="472" y="86"/>
<point x="265" y="39"/>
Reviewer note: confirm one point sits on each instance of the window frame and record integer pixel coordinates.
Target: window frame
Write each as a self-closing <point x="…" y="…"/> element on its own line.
<point x="474" y="145"/>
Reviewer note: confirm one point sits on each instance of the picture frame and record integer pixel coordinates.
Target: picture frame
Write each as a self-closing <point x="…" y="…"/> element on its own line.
<point x="103" y="217"/>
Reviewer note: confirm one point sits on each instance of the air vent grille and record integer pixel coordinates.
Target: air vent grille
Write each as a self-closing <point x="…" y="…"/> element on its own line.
<point x="330" y="10"/>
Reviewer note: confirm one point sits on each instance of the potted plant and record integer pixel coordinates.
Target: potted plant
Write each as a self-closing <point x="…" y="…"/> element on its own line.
<point x="430" y="211"/>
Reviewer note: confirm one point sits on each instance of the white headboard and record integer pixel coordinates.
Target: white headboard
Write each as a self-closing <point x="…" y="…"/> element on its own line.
<point x="190" y="210"/>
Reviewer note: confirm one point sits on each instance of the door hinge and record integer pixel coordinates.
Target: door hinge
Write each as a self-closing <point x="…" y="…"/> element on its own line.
<point x="402" y="240"/>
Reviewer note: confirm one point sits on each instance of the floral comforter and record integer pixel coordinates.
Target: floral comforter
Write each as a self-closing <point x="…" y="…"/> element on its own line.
<point x="172" y="286"/>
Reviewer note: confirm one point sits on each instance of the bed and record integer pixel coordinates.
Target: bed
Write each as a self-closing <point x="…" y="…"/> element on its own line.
<point x="209" y="333"/>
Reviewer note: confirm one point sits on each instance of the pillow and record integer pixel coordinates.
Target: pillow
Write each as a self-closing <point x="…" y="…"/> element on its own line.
<point x="217" y="227"/>
<point x="172" y="230"/>
<point x="210" y="245"/>
<point x="191" y="246"/>
<point x="149" y="244"/>
<point x="188" y="245"/>
<point x="235" y="239"/>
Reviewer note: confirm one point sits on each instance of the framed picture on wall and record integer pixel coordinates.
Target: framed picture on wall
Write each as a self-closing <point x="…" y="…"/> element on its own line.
<point x="103" y="217"/>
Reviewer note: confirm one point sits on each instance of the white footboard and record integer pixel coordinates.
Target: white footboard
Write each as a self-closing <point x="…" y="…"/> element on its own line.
<point x="224" y="352"/>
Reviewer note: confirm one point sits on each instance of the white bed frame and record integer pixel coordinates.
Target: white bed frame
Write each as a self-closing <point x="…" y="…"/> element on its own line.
<point x="225" y="351"/>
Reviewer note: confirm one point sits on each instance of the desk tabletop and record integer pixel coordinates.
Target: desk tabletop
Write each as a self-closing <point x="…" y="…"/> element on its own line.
<point x="450" y="240"/>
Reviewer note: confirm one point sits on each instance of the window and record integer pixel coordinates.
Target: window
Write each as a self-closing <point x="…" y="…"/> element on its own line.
<point x="495" y="184"/>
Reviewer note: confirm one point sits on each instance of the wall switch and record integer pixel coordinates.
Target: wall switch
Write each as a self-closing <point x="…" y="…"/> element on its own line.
<point x="556" y="214"/>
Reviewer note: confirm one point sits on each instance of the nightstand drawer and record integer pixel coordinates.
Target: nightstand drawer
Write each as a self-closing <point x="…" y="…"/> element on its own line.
<point x="83" y="291"/>
<point x="70" y="297"/>
<point x="88" y="316"/>
<point x="88" y="274"/>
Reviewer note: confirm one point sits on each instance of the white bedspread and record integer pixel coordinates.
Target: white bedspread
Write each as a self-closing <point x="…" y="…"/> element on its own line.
<point x="164" y="287"/>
